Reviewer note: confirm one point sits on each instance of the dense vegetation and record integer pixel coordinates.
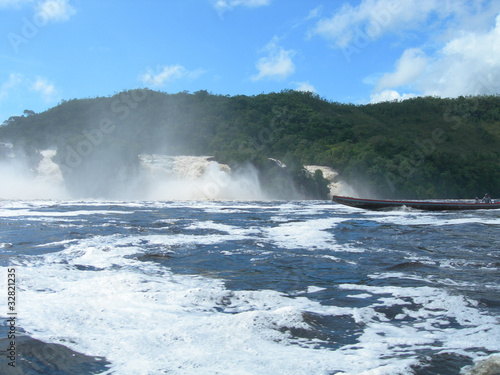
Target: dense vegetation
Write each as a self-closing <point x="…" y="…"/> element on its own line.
<point x="424" y="147"/>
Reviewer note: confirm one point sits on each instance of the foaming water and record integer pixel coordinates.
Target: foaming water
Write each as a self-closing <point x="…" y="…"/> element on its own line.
<point x="193" y="177"/>
<point x="159" y="177"/>
<point x="19" y="182"/>
<point x="252" y="288"/>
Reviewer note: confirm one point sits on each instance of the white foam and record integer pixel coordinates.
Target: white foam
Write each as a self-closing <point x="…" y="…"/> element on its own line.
<point x="298" y="208"/>
<point x="228" y="229"/>
<point x="98" y="298"/>
<point x="360" y="295"/>
<point x="435" y="312"/>
<point x="310" y="234"/>
<point x="314" y="289"/>
<point x="145" y="319"/>
<point x="53" y="215"/>
<point x="434" y="219"/>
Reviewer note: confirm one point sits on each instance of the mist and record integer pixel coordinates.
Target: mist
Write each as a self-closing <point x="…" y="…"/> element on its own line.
<point x="196" y="178"/>
<point x="153" y="177"/>
<point x="103" y="175"/>
<point x="19" y="181"/>
<point x="139" y="145"/>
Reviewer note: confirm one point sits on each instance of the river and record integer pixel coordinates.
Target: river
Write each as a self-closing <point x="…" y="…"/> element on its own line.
<point x="248" y="287"/>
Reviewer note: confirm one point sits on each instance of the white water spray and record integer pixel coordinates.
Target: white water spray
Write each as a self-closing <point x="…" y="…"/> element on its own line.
<point x="196" y="177"/>
<point x="19" y="182"/>
<point x="49" y="172"/>
<point x="160" y="177"/>
<point x="336" y="186"/>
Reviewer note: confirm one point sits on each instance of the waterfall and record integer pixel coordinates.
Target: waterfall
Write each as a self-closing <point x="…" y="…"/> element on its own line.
<point x="154" y="177"/>
<point x="336" y="186"/>
<point x="21" y="182"/>
<point x="196" y="177"/>
<point x="49" y="181"/>
<point x="49" y="172"/>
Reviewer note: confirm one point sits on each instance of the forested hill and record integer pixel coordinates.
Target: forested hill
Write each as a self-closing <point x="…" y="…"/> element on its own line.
<point x="418" y="148"/>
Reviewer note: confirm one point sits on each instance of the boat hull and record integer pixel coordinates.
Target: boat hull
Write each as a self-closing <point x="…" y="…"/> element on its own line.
<point x="376" y="204"/>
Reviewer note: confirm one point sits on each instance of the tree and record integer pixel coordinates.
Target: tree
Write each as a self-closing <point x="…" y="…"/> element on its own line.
<point x="28" y="112"/>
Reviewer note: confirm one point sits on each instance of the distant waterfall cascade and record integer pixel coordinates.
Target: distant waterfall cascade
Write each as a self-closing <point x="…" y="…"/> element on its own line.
<point x="23" y="181"/>
<point x="196" y="177"/>
<point x="335" y="186"/>
<point x="47" y="171"/>
<point x="147" y="177"/>
<point x="183" y="167"/>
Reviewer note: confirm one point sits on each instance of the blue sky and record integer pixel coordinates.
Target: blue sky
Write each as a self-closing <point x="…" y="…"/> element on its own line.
<point x="352" y="51"/>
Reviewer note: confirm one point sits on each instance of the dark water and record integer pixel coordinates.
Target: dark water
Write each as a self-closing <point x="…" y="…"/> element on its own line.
<point x="249" y="288"/>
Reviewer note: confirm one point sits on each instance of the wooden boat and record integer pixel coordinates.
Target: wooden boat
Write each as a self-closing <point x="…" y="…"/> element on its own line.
<point x="377" y="204"/>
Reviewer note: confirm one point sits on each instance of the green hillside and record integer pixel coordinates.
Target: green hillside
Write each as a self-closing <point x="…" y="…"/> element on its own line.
<point x="418" y="148"/>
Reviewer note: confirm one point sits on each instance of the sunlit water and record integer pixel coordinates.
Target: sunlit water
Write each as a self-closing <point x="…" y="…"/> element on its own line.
<point x="249" y="288"/>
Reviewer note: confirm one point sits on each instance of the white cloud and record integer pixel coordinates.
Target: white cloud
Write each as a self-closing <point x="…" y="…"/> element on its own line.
<point x="409" y="68"/>
<point x="12" y="3"/>
<point x="305" y="86"/>
<point x="45" y="10"/>
<point x="389" y="96"/>
<point x="277" y="64"/>
<point x="372" y="19"/>
<point x="167" y="73"/>
<point x="54" y="10"/>
<point x="468" y="64"/>
<point x="315" y="13"/>
<point x="222" y="6"/>
<point x="15" y="79"/>
<point x="246" y="3"/>
<point x="46" y="89"/>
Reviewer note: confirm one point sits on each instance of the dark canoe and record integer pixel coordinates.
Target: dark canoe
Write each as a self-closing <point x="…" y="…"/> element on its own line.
<point x="376" y="204"/>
